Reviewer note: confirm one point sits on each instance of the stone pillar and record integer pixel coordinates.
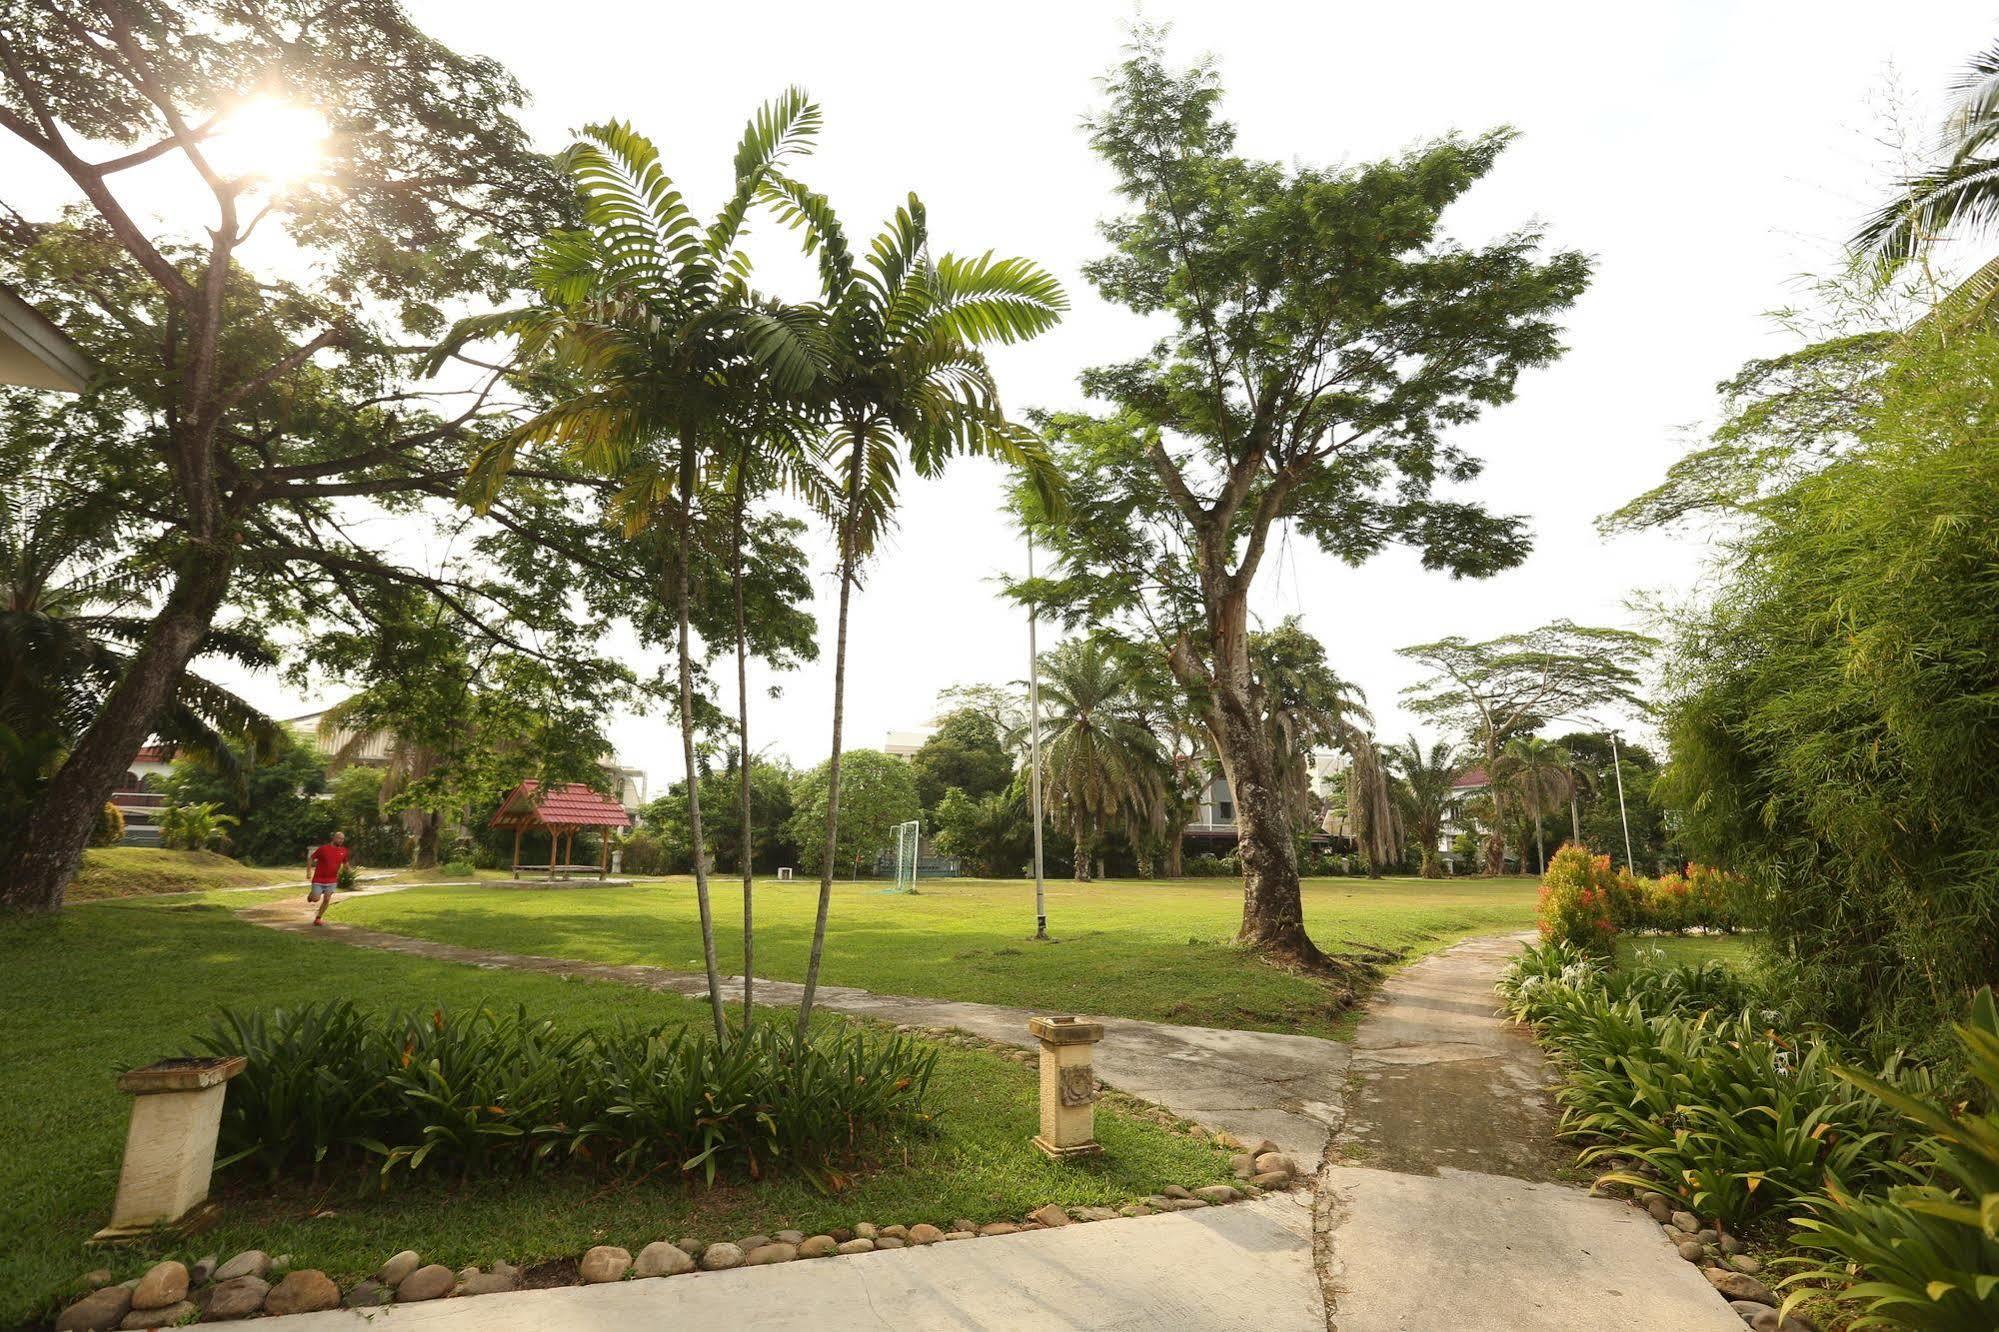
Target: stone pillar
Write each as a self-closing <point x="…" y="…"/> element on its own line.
<point x="170" y="1145"/>
<point x="1068" y="1086"/>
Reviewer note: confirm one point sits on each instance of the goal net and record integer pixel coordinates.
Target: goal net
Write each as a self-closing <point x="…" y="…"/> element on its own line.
<point x="908" y="840"/>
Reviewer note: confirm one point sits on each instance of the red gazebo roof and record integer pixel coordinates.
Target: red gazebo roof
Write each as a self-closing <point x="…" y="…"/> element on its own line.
<point x="573" y="805"/>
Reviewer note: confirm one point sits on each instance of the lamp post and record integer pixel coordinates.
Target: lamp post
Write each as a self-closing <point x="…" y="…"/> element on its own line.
<point x="1034" y="749"/>
<point x="1617" y="766"/>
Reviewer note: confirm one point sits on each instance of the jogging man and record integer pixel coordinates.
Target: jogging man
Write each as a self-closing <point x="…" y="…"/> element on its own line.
<point x="326" y="861"/>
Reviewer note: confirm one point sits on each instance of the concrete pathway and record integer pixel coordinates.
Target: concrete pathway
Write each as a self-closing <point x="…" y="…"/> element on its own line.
<point x="1253" y="1084"/>
<point x="1241" y="1268"/>
<point x="1440" y="1205"/>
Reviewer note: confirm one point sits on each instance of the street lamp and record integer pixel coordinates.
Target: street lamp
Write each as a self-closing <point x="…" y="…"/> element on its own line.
<point x="1034" y="749"/>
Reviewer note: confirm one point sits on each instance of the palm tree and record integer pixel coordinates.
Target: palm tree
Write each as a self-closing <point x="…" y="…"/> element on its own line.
<point x="1428" y="782"/>
<point x="1104" y="765"/>
<point x="652" y="345"/>
<point x="1577" y="777"/>
<point x="1535" y="773"/>
<point x="1373" y="804"/>
<point x="904" y="382"/>
<point x="1961" y="189"/>
<point x="1306" y="706"/>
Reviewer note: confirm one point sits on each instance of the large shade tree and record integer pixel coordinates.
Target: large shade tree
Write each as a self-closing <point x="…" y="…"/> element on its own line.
<point x="1323" y="337"/>
<point x="1498" y="689"/>
<point x="255" y="411"/>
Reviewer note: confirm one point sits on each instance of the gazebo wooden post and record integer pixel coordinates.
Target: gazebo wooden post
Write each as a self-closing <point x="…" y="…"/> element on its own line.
<point x="554" y="846"/>
<point x="604" y="863"/>
<point x="518" y="830"/>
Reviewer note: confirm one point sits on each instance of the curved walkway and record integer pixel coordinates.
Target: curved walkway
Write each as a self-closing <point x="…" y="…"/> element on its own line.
<point x="1254" y="1084"/>
<point x="1441" y="1204"/>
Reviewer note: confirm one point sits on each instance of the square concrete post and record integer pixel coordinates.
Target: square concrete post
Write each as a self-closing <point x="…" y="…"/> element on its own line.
<point x="1068" y="1086"/>
<point x="170" y="1145"/>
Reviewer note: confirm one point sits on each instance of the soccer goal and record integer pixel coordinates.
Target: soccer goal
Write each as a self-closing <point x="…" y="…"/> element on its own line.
<point x="784" y="874"/>
<point x="908" y="841"/>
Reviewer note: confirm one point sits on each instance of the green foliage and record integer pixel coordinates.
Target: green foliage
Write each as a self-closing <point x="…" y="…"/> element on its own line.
<point x="1666" y="1069"/>
<point x="964" y="754"/>
<point x="196" y="827"/>
<point x="275" y="804"/>
<point x="992" y="836"/>
<point x="373" y="837"/>
<point x="1833" y="711"/>
<point x="110" y="828"/>
<point x="486" y="1093"/>
<point x="664" y="845"/>
<point x="1104" y="770"/>
<point x="457" y="869"/>
<point x="1585" y="902"/>
<point x="876" y="793"/>
<point x="1926" y="1251"/>
<point x="1576" y="902"/>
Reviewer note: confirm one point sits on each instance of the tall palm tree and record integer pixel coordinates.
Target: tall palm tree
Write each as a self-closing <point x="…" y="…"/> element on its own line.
<point x="1374" y="805"/>
<point x="1577" y="777"/>
<point x="1104" y="766"/>
<point x="905" y="382"/>
<point x="651" y="344"/>
<point x="1307" y="706"/>
<point x="1534" y="772"/>
<point x="1428" y="779"/>
<point x="1961" y="190"/>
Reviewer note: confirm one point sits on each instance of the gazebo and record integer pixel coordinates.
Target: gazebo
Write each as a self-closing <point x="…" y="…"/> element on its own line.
<point x="561" y="812"/>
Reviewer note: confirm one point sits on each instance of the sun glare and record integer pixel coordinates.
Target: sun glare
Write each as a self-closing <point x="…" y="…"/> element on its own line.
<point x="274" y="141"/>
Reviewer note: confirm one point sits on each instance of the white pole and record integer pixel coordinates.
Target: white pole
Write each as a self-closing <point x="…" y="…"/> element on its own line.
<point x="1034" y="749"/>
<point x="1618" y="764"/>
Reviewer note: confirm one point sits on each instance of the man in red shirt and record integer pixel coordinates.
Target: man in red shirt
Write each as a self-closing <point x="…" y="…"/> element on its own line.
<point x="326" y="861"/>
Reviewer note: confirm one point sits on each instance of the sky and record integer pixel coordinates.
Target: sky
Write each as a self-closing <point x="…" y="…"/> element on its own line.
<point x="1709" y="157"/>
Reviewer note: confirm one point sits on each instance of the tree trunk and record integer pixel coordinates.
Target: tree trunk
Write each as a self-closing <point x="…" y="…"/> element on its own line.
<point x="1540" y="846"/>
<point x="1495" y="844"/>
<point x="1083" y="840"/>
<point x="428" y="823"/>
<point x="1575" y="819"/>
<point x="1176" y="862"/>
<point x="832" y="802"/>
<point x="1273" y="910"/>
<point x="685" y="557"/>
<point x="743" y="760"/>
<point x="43" y="859"/>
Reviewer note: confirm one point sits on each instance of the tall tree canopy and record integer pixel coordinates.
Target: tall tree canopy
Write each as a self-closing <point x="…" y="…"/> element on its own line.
<point x="1323" y="338"/>
<point x="260" y="411"/>
<point x="1502" y="688"/>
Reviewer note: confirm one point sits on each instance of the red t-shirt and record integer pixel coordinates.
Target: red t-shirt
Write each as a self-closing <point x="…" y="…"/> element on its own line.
<point x="326" y="863"/>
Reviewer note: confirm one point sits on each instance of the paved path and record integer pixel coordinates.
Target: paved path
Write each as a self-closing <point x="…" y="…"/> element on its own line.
<point x="1440" y="1206"/>
<point x="1253" y="1084"/>
<point x="1242" y="1268"/>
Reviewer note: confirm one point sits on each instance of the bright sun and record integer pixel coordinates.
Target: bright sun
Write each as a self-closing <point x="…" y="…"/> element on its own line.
<point x="275" y="141"/>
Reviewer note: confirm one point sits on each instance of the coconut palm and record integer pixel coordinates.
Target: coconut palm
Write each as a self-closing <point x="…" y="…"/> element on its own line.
<point x="1428" y="779"/>
<point x="651" y="345"/>
<point x="1961" y="190"/>
<point x="905" y="384"/>
<point x="1374" y="806"/>
<point x="1104" y="766"/>
<point x="1307" y="706"/>
<point x="1535" y="773"/>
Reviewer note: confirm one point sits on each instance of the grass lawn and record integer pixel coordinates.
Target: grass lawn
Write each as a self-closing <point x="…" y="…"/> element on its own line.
<point x="1124" y="948"/>
<point x="109" y="985"/>
<point x="138" y="871"/>
<point x="1732" y="949"/>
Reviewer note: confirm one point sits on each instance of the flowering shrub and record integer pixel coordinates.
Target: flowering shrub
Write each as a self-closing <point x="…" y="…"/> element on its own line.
<point x="1586" y="903"/>
<point x="1576" y="901"/>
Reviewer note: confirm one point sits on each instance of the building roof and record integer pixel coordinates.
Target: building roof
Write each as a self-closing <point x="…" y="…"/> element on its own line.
<point x="1470" y="779"/>
<point x="34" y="352"/>
<point x="572" y="805"/>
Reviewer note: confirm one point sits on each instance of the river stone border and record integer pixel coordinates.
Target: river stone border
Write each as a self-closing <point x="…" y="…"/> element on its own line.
<point x="252" y="1283"/>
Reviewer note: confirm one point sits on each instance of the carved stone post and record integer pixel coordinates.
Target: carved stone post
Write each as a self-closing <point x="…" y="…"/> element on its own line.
<point x="1068" y="1086"/>
<point x="170" y="1145"/>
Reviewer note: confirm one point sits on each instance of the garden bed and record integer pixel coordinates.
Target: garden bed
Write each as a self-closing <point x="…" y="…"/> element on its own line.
<point x="117" y="984"/>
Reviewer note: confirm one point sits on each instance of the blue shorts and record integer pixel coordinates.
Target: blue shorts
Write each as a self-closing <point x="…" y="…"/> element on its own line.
<point x="317" y="889"/>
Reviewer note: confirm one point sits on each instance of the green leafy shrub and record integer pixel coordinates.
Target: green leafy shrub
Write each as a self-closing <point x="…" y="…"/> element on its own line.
<point x="1586" y="903"/>
<point x="456" y="869"/>
<point x="1207" y="867"/>
<point x="109" y="830"/>
<point x="1664" y="1065"/>
<point x="1927" y="1250"/>
<point x="197" y="827"/>
<point x="483" y="1094"/>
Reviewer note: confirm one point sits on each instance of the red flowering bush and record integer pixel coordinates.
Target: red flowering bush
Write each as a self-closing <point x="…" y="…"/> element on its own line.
<point x="1577" y="900"/>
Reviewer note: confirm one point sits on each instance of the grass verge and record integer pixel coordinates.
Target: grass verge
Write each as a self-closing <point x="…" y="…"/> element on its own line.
<point x="141" y="871"/>
<point x="114" y="984"/>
